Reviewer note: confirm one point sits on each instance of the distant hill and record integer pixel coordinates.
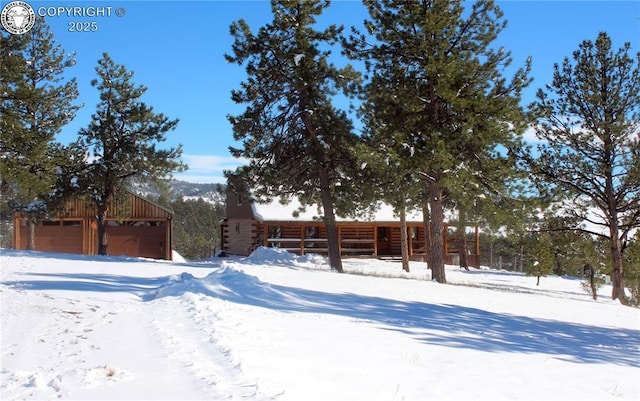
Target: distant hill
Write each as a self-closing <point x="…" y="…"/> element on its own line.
<point x="213" y="193"/>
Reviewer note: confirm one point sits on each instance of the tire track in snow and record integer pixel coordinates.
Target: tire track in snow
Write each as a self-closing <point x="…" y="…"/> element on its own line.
<point x="190" y="339"/>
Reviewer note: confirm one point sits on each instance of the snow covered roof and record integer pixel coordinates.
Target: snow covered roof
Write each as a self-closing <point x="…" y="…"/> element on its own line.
<point x="277" y="210"/>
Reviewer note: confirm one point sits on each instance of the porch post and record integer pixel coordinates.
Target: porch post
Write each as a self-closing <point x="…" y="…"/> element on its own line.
<point x="410" y="239"/>
<point x="16" y="231"/>
<point x="375" y="240"/>
<point x="265" y="236"/>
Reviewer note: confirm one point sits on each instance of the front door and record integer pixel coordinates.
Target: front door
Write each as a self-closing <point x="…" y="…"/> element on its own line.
<point x="384" y="241"/>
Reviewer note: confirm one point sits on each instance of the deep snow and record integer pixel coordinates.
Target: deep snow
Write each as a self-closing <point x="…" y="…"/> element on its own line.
<point x="275" y="326"/>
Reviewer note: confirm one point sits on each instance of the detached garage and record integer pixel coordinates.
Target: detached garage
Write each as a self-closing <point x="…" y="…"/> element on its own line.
<point x="135" y="227"/>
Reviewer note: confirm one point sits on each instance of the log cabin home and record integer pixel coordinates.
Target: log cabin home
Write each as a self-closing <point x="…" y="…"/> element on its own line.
<point x="250" y="224"/>
<point x="135" y="227"/>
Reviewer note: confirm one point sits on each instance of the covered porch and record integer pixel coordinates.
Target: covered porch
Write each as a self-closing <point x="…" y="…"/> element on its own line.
<point x="371" y="239"/>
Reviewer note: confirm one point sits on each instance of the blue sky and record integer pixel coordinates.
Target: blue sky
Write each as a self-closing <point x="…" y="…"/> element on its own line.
<point x="176" y="49"/>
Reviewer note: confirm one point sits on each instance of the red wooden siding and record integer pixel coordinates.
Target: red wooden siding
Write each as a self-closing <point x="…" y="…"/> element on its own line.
<point x="135" y="227"/>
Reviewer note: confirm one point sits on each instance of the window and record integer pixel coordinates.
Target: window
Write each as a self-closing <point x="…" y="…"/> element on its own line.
<point x="238" y="199"/>
<point x="415" y="238"/>
<point x="312" y="232"/>
<point x="275" y="232"/>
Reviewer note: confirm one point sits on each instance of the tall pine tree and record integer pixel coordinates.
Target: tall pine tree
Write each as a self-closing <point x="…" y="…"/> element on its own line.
<point x="121" y="141"/>
<point x="438" y="83"/>
<point x="36" y="101"/>
<point x="298" y="143"/>
<point x="589" y="121"/>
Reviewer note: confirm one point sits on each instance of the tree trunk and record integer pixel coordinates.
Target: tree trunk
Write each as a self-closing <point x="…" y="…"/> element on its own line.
<point x="592" y="281"/>
<point x="426" y="221"/>
<point x="464" y="251"/>
<point x="333" y="242"/>
<point x="436" y="249"/>
<point x="404" y="245"/>
<point x="102" y="232"/>
<point x="102" y="205"/>
<point x="617" y="276"/>
<point x="31" y="234"/>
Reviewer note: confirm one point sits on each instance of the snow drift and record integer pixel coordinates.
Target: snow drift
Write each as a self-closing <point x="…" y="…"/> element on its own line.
<point x="274" y="326"/>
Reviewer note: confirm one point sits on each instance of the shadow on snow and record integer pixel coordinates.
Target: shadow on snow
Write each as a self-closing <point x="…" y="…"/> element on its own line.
<point x="432" y="323"/>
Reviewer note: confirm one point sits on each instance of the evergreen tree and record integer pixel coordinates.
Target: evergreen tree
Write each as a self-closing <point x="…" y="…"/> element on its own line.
<point x="384" y="177"/>
<point x="196" y="227"/>
<point x="437" y="82"/>
<point x="297" y="142"/>
<point x="572" y="250"/>
<point x="632" y="270"/>
<point x="36" y="102"/>
<point x="589" y="121"/>
<point x="540" y="261"/>
<point x="121" y="141"/>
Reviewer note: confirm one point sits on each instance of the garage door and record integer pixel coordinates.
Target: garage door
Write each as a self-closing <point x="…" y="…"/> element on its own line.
<point x="139" y="241"/>
<point x="59" y="236"/>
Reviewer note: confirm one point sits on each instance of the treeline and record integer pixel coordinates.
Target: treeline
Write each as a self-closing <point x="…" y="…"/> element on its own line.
<point x="196" y="227"/>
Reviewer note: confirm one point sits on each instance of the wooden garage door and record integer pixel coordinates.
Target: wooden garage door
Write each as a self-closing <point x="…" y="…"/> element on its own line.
<point x="139" y="241"/>
<point x="59" y="236"/>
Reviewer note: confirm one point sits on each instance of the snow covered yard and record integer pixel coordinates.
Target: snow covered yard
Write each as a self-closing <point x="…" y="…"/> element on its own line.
<point x="279" y="327"/>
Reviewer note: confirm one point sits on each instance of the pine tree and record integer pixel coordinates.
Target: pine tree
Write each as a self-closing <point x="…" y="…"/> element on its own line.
<point x="540" y="262"/>
<point x="121" y="140"/>
<point x="297" y="142"/>
<point x="36" y="102"/>
<point x="589" y="121"/>
<point x="632" y="270"/>
<point x="196" y="227"/>
<point x="384" y="159"/>
<point x="572" y="250"/>
<point x="437" y="82"/>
